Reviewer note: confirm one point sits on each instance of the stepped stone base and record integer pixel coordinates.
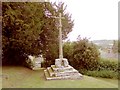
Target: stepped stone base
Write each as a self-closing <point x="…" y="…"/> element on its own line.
<point x="55" y="73"/>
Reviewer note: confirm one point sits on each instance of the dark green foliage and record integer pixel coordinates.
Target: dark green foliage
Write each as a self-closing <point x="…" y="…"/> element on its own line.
<point x="105" y="69"/>
<point x="68" y="49"/>
<point x="85" y="55"/>
<point x="82" y="54"/>
<point x="28" y="29"/>
<point x="103" y="74"/>
<point x="19" y="31"/>
<point x="108" y="65"/>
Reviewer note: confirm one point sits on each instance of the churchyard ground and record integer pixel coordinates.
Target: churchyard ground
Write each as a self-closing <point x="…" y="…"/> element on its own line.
<point x="22" y="77"/>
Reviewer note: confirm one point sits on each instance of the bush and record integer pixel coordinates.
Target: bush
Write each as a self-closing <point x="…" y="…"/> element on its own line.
<point x="106" y="64"/>
<point x="68" y="50"/>
<point x="85" y="55"/>
<point x="106" y="68"/>
<point x="103" y="74"/>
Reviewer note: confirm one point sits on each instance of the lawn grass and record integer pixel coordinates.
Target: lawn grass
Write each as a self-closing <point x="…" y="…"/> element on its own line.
<point x="22" y="77"/>
<point x="113" y="81"/>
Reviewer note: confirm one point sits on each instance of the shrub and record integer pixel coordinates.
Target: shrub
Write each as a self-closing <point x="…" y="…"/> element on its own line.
<point x="106" y="64"/>
<point x="106" y="68"/>
<point x="68" y="50"/>
<point x="103" y="74"/>
<point x="85" y="55"/>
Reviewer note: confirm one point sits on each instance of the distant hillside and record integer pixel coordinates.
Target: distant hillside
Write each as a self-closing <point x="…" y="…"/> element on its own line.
<point x="103" y="43"/>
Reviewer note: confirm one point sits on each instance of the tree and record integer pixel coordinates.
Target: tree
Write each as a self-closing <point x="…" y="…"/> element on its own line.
<point x="28" y="28"/>
<point x="21" y="28"/>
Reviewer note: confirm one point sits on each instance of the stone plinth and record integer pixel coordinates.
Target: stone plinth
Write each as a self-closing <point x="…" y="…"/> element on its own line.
<point x="62" y="70"/>
<point x="63" y="63"/>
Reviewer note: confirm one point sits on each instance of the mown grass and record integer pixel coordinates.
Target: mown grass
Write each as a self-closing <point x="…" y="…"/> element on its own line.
<point x="22" y="77"/>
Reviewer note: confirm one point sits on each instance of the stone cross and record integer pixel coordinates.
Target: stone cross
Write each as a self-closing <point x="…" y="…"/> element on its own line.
<point x="60" y="37"/>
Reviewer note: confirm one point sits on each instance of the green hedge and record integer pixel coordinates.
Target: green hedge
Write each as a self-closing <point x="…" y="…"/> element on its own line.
<point x="103" y="74"/>
<point x="108" y="64"/>
<point x="106" y="68"/>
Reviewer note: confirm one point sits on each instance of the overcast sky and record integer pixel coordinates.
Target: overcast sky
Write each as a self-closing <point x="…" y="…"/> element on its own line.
<point x="95" y="19"/>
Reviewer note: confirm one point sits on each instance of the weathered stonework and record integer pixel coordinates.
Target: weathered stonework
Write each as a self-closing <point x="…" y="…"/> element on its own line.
<point x="62" y="70"/>
<point x="35" y="62"/>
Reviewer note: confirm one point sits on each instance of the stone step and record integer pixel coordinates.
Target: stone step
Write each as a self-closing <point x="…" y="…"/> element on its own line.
<point x="70" y="73"/>
<point x="52" y="67"/>
<point x="53" y="78"/>
<point x="80" y="75"/>
<point x="60" y="78"/>
<point x="54" y="73"/>
<point x="50" y="71"/>
<point x="74" y="77"/>
<point x="55" y="69"/>
<point x="77" y="75"/>
<point x="47" y="75"/>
